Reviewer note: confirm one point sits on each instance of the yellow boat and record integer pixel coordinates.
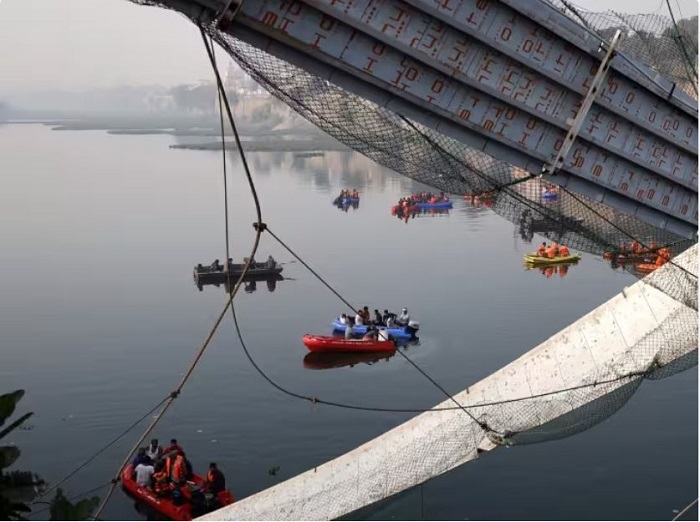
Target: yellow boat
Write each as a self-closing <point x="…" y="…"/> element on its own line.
<point x="534" y="259"/>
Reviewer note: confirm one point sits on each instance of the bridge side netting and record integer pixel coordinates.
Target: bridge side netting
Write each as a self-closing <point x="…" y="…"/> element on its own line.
<point x="649" y="38"/>
<point x="434" y="159"/>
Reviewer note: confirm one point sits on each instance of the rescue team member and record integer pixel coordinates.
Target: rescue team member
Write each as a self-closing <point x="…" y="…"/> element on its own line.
<point x="216" y="482"/>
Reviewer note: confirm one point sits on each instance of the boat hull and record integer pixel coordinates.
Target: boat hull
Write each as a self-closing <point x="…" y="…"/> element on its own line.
<point x="534" y="259"/>
<point x="327" y="344"/>
<point x="260" y="272"/>
<point x="440" y="204"/>
<point x="165" y="505"/>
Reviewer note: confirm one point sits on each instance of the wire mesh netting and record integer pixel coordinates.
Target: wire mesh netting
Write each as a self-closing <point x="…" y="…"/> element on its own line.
<point x="671" y="50"/>
<point x="532" y="204"/>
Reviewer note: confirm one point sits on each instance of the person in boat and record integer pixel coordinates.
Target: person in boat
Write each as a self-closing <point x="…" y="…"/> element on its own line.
<point x="140" y="458"/>
<point x="386" y="316"/>
<point x="154" y="451"/>
<point x="564" y="251"/>
<point x="359" y="318"/>
<point x="365" y="315"/>
<point x="216" y="266"/>
<point x="404" y="318"/>
<point x="176" y="465"/>
<point x="199" y="268"/>
<point x="271" y="263"/>
<point x="215" y="480"/>
<point x="553" y="251"/>
<point x="172" y="448"/>
<point x="391" y="321"/>
<point x="344" y="319"/>
<point x="542" y="251"/>
<point x="378" y="318"/>
<point x="144" y="473"/>
<point x="161" y="482"/>
<point x="349" y="331"/>
<point x="371" y="335"/>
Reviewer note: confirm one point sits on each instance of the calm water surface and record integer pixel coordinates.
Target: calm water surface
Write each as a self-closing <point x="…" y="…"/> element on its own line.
<point x="100" y="317"/>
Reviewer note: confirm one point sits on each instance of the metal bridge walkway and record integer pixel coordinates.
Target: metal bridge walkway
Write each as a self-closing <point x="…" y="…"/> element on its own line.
<point x="505" y="77"/>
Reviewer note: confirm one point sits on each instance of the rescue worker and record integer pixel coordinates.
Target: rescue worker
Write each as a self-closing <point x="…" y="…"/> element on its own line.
<point x="553" y="251"/>
<point x="173" y="448"/>
<point x="215" y="482"/>
<point x="178" y="468"/>
<point x="160" y="478"/>
<point x="542" y="251"/>
<point x="564" y="251"/>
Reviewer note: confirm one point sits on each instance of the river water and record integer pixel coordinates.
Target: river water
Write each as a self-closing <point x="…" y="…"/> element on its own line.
<point x="100" y="318"/>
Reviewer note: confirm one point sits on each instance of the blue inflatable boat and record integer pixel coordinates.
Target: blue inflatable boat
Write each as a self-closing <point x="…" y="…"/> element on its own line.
<point x="346" y="202"/>
<point x="440" y="204"/>
<point x="403" y="332"/>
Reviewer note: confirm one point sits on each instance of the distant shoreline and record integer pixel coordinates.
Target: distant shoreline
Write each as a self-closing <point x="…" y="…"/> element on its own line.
<point x="254" y="140"/>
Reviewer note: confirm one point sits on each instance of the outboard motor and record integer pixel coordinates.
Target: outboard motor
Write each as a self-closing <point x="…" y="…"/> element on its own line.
<point x="412" y="328"/>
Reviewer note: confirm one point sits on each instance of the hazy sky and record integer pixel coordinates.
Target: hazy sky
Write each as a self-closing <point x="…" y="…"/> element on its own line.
<point x="78" y="44"/>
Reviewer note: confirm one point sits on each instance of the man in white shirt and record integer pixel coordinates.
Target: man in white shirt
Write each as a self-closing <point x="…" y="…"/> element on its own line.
<point x="144" y="474"/>
<point x="344" y="319"/>
<point x="359" y="321"/>
<point x="404" y="318"/>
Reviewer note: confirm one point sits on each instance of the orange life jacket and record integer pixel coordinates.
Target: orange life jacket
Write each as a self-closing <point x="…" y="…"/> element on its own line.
<point x="552" y="252"/>
<point x="179" y="468"/>
<point x="564" y="251"/>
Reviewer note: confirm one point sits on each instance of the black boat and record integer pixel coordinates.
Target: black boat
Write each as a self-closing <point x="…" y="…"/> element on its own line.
<point x="207" y="275"/>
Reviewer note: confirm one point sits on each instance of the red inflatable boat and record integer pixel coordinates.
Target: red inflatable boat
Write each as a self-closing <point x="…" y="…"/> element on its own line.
<point x="165" y="505"/>
<point x="322" y="343"/>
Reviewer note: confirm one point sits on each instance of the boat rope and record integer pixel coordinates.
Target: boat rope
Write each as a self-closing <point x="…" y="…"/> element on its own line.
<point x="482" y="424"/>
<point x="688" y="63"/>
<point x="223" y="153"/>
<point x="102" y="450"/>
<point x="379" y="409"/>
<point x="685" y="509"/>
<point x="72" y="498"/>
<point x="259" y="228"/>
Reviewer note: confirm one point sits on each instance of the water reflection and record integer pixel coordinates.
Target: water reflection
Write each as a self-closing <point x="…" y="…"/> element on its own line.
<point x="327" y="361"/>
<point x="528" y="225"/>
<point x="561" y="269"/>
<point x="329" y="170"/>
<point x="404" y="215"/>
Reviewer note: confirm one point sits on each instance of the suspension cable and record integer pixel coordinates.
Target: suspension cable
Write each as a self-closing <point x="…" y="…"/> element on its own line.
<point x="259" y="229"/>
